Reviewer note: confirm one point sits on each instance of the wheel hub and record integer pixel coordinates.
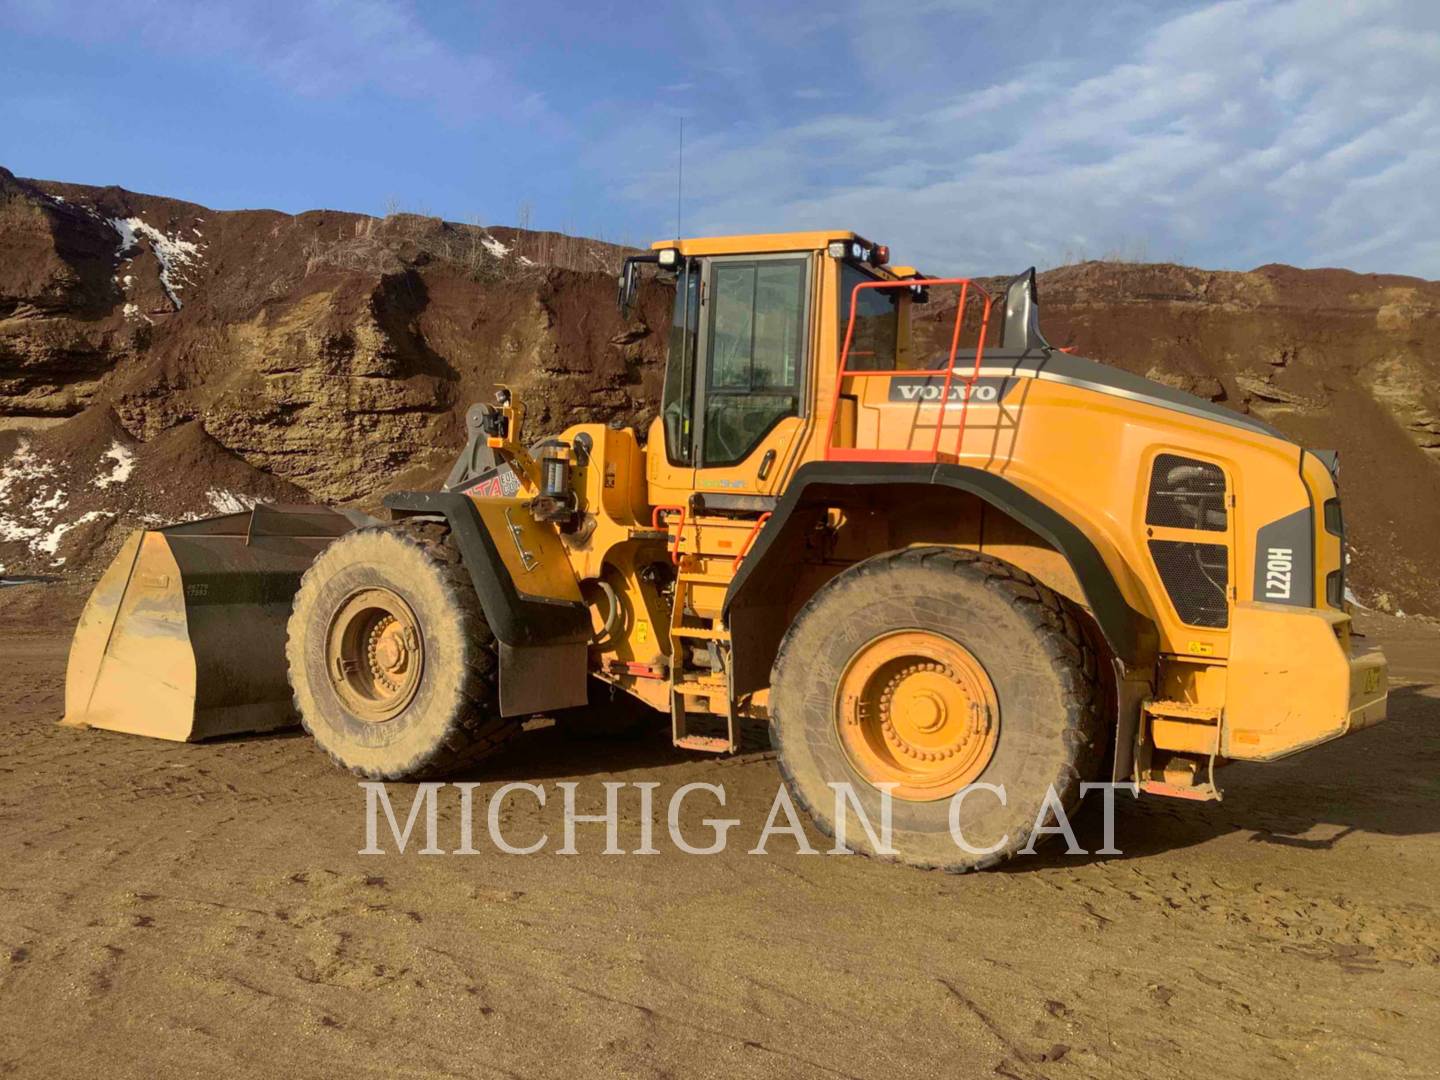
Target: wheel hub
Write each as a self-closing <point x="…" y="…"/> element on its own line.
<point x="917" y="710"/>
<point x="391" y="645"/>
<point x="374" y="654"/>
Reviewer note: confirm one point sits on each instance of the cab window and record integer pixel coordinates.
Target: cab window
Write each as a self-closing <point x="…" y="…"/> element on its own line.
<point x="677" y="404"/>
<point x="874" y="346"/>
<point x="757" y="338"/>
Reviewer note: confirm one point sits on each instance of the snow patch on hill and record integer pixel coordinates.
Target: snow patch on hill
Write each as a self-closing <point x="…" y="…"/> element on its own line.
<point x="124" y="459"/>
<point x="175" y="254"/>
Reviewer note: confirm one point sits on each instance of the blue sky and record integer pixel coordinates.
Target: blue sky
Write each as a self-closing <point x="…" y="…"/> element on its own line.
<point x="969" y="136"/>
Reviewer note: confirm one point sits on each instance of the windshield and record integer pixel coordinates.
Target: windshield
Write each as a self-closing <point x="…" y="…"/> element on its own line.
<point x="756" y="341"/>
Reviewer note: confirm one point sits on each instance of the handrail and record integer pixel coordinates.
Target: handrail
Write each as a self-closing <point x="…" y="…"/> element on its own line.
<point x="655" y="523"/>
<point x="843" y="372"/>
<point x="750" y="538"/>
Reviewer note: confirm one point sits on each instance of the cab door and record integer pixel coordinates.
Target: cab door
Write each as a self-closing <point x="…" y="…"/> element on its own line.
<point x="751" y="399"/>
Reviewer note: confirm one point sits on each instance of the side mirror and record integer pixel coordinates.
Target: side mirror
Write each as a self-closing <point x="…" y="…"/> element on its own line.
<point x="630" y="281"/>
<point x="627" y="288"/>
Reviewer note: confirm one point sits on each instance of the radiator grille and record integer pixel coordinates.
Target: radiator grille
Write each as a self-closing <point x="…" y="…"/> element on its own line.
<point x="1186" y="494"/>
<point x="1197" y="579"/>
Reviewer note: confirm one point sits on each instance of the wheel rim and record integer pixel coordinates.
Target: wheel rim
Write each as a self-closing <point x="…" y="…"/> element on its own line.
<point x="375" y="654"/>
<point x="917" y="710"/>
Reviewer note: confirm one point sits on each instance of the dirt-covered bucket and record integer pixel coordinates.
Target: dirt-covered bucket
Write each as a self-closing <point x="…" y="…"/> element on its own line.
<point x="184" y="635"/>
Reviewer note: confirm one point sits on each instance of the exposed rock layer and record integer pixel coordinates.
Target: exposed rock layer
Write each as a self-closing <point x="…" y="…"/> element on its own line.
<point x="337" y="353"/>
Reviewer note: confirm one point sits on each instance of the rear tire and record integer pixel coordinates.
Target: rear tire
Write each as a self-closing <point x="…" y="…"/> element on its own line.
<point x="1028" y="661"/>
<point x="440" y="713"/>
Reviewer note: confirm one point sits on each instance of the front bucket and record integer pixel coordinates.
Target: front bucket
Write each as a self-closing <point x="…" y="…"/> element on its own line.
<point x="184" y="635"/>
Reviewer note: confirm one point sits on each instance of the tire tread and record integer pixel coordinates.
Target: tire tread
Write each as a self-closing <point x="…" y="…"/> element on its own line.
<point x="475" y="732"/>
<point x="1056" y="627"/>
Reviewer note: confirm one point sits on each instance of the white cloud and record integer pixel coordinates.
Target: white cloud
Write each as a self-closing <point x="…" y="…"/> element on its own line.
<point x="968" y="136"/>
<point x="1236" y="134"/>
<point x="317" y="48"/>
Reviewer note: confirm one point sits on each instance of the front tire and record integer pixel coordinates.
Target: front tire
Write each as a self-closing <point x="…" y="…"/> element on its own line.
<point x="394" y="669"/>
<point x="934" y="669"/>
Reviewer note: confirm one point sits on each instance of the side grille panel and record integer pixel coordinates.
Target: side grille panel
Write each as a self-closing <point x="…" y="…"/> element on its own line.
<point x="1186" y="494"/>
<point x="1197" y="579"/>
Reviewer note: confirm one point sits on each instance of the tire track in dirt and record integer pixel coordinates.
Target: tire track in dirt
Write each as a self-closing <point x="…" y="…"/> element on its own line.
<point x="203" y="910"/>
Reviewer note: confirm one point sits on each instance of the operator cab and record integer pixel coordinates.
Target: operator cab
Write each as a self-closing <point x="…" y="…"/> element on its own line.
<point x="758" y="327"/>
<point x="750" y="318"/>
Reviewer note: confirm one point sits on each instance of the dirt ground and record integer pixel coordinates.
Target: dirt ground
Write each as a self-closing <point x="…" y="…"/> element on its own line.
<point x="202" y="910"/>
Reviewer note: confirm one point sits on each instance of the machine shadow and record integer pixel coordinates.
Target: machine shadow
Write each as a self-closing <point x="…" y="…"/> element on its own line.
<point x="548" y="752"/>
<point x="1375" y="781"/>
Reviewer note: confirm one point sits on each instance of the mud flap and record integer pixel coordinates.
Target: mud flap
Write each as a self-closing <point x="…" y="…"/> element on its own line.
<point x="1131" y="691"/>
<point x="527" y="589"/>
<point x="542" y="678"/>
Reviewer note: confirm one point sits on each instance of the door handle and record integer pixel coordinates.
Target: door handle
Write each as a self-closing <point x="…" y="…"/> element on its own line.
<point x="765" y="464"/>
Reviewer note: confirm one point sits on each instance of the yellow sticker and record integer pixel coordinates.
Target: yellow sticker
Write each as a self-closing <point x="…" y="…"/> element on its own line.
<point x="1200" y="648"/>
<point x="642" y="631"/>
<point x="1372" y="680"/>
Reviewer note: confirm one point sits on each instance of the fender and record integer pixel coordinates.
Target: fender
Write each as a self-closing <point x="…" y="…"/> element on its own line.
<point x="543" y="642"/>
<point x="1130" y="634"/>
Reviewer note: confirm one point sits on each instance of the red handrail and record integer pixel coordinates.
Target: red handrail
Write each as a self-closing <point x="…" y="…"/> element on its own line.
<point x="843" y="372"/>
<point x="750" y="538"/>
<point x="655" y="523"/>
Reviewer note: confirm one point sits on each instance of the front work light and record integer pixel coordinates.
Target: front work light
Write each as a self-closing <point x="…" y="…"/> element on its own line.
<point x="848" y="249"/>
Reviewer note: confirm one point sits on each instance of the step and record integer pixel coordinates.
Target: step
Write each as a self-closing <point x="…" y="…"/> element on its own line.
<point x="1184" y="710"/>
<point x="1199" y="793"/>
<point x="706" y="743"/>
<point x="704" y="632"/>
<point x="698" y="687"/>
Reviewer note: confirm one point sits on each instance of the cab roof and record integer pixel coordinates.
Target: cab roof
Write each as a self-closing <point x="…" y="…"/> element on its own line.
<point x="757" y="243"/>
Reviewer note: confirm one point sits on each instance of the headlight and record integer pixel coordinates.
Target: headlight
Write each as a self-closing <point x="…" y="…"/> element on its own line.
<point x="848" y="249"/>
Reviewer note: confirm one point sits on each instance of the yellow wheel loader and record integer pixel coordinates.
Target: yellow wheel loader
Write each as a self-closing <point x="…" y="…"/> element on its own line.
<point x="929" y="549"/>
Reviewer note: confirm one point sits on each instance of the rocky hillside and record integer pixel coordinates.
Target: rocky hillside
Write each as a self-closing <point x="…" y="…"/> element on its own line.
<point x="321" y="356"/>
<point x="160" y="360"/>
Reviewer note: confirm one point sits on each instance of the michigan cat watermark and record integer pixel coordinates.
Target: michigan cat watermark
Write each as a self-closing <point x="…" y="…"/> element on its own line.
<point x="709" y="836"/>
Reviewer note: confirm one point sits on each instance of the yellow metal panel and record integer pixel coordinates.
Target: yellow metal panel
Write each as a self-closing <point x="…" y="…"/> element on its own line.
<point x="1291" y="684"/>
<point x="131" y="665"/>
<point x="530" y="550"/>
<point x="1183" y="735"/>
<point x="669" y="485"/>
<point x="744" y="478"/>
<point x="1087" y="454"/>
<point x="619" y="460"/>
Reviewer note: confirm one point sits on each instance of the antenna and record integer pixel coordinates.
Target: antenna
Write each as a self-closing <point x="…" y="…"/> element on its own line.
<point x="680" y="179"/>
